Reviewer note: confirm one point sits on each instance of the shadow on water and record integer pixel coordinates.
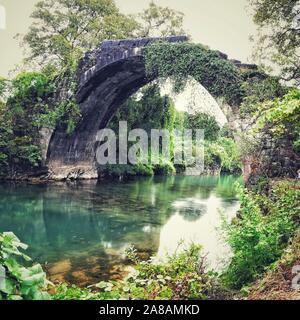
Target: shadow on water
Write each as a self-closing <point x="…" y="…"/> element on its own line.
<point x="79" y="231"/>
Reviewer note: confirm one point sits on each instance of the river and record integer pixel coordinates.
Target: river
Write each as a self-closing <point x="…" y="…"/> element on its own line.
<point x="79" y="231"/>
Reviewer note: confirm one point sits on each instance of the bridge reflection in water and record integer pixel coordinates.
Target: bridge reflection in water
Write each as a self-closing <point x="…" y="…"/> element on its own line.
<point x="79" y="231"/>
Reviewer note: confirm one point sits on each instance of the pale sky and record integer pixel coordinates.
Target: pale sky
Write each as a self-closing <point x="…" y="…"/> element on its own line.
<point x="224" y="25"/>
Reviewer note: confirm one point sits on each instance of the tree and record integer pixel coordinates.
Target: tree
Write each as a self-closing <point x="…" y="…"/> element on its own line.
<point x="146" y="110"/>
<point x="278" y="42"/>
<point x="203" y="121"/>
<point x="29" y="95"/>
<point x="158" y="21"/>
<point x="281" y="117"/>
<point x="63" y="29"/>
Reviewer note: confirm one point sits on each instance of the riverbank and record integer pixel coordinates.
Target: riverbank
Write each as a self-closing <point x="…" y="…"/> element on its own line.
<point x="115" y="172"/>
<point x="264" y="239"/>
<point x="281" y="282"/>
<point x="78" y="229"/>
<point x="265" y="243"/>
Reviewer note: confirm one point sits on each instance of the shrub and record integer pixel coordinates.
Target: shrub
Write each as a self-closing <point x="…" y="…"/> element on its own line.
<point x="219" y="76"/>
<point x="281" y="117"/>
<point x="205" y="122"/>
<point x="19" y="282"/>
<point x="223" y="153"/>
<point x="261" y="232"/>
<point x="180" y="277"/>
<point x="165" y="167"/>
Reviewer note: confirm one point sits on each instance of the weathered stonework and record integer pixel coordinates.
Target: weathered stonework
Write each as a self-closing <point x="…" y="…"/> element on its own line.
<point x="107" y="76"/>
<point x="276" y="158"/>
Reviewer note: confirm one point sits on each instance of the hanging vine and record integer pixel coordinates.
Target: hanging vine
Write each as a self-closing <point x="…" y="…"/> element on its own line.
<point x="179" y="61"/>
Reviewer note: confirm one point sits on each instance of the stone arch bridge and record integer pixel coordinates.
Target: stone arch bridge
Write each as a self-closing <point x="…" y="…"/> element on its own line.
<point x="107" y="76"/>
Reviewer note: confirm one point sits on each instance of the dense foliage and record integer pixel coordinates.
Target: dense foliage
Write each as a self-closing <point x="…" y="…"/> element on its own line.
<point x="203" y="121"/>
<point x="281" y="117"/>
<point x="258" y="91"/>
<point x="182" y="276"/>
<point x="27" y="98"/>
<point x="279" y="35"/>
<point x="262" y="230"/>
<point x="275" y="284"/>
<point x="64" y="29"/>
<point x="149" y="110"/>
<point x="219" y="76"/>
<point x="224" y="155"/>
<point x="18" y="282"/>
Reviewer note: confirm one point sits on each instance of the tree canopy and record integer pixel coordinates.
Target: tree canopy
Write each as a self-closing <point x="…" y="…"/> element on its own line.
<point x="278" y="41"/>
<point x="63" y="29"/>
<point x="158" y="21"/>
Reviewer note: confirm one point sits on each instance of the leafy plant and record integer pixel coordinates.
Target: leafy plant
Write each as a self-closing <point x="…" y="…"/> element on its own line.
<point x="224" y="154"/>
<point x="278" y="36"/>
<point x="259" y="91"/>
<point x="19" y="282"/>
<point x="281" y="117"/>
<point x="261" y="232"/>
<point x="219" y="76"/>
<point x="204" y="122"/>
<point x="181" y="276"/>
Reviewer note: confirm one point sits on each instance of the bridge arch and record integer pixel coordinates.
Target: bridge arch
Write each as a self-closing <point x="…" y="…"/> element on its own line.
<point x="107" y="77"/>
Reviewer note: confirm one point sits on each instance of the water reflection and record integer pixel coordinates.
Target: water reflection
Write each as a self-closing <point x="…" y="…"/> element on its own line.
<point x="79" y="231"/>
<point x="191" y="209"/>
<point x="185" y="226"/>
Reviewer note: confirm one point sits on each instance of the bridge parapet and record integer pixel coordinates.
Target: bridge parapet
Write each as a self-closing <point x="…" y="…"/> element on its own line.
<point x="111" y="51"/>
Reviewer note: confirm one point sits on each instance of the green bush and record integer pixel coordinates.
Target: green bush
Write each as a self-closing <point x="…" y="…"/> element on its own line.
<point x="164" y="168"/>
<point x="224" y="154"/>
<point x="27" y="97"/>
<point x="259" y="91"/>
<point x="180" y="277"/>
<point x="261" y="232"/>
<point x="226" y="132"/>
<point x="19" y="282"/>
<point x="219" y="76"/>
<point x="204" y="122"/>
<point x="28" y="103"/>
<point x="281" y="117"/>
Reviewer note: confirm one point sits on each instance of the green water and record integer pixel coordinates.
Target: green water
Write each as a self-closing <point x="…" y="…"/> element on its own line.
<point x="79" y="231"/>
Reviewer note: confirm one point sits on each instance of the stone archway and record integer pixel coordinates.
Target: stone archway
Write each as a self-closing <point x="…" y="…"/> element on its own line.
<point x="107" y="76"/>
